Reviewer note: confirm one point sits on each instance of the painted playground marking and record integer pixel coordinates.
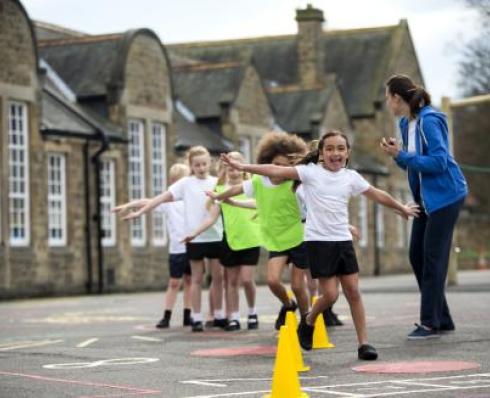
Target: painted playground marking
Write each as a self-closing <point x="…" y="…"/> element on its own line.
<point x="360" y="390"/>
<point x="27" y="344"/>
<point x="116" y="361"/>
<point x="86" y="343"/>
<point x="417" y="367"/>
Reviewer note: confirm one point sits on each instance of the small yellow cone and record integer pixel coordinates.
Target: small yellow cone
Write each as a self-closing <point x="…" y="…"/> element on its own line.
<point x="320" y="333"/>
<point x="292" y="325"/>
<point x="285" y="381"/>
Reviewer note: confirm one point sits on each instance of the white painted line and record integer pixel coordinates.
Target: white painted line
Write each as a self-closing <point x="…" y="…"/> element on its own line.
<point x="145" y="338"/>
<point x="332" y="392"/>
<point x="30" y="345"/>
<point x="418" y="383"/>
<point x="386" y="394"/>
<point x="230" y="394"/>
<point x="87" y="343"/>
<point x="252" y="379"/>
<point x="204" y="383"/>
<point x="115" y="361"/>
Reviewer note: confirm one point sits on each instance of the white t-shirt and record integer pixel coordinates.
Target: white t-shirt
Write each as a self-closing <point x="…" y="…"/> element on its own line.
<point x="327" y="197"/>
<point x="411" y="136"/>
<point x="174" y="221"/>
<point x="192" y="191"/>
<point x="248" y="190"/>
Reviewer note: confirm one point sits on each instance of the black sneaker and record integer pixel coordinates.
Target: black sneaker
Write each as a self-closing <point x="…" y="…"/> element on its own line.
<point x="163" y="324"/>
<point x="330" y="318"/>
<point x="253" y="322"/>
<point x="305" y="335"/>
<point x="197" y="326"/>
<point x="446" y="329"/>
<point x="232" y="326"/>
<point x="220" y="323"/>
<point x="367" y="352"/>
<point x="281" y="317"/>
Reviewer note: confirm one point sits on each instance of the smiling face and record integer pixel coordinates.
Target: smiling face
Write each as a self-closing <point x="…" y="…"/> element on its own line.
<point x="335" y="153"/>
<point x="200" y="165"/>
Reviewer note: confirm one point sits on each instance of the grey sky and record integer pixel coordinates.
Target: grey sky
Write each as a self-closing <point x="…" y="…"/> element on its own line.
<point x="439" y="27"/>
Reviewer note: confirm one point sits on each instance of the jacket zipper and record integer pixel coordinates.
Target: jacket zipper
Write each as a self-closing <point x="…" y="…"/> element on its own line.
<point x="421" y="137"/>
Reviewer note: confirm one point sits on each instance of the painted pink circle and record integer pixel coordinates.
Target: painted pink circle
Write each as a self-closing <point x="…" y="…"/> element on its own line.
<point x="417" y="367"/>
<point x="235" y="351"/>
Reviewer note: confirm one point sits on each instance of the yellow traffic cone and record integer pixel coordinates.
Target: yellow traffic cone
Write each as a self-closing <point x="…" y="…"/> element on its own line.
<point x="285" y="381"/>
<point x="320" y="333"/>
<point x="292" y="326"/>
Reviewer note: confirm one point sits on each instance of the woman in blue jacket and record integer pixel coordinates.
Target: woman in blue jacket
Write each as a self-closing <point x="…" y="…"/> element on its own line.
<point x="438" y="186"/>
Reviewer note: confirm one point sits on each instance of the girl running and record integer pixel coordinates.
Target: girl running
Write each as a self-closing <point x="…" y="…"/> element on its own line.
<point x="241" y="246"/>
<point x="191" y="190"/>
<point x="180" y="270"/>
<point x="280" y="220"/>
<point x="328" y="187"/>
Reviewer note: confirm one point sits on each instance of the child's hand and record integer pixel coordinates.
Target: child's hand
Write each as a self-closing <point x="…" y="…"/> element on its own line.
<point x="213" y="195"/>
<point x="132" y="215"/>
<point x="231" y="162"/>
<point x="188" y="238"/>
<point x="355" y="232"/>
<point x="410" y="210"/>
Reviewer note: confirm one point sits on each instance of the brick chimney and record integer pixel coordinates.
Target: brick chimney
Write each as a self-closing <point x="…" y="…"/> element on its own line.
<point x="310" y="51"/>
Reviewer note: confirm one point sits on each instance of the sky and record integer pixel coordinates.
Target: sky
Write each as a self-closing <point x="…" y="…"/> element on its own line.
<point x="439" y="28"/>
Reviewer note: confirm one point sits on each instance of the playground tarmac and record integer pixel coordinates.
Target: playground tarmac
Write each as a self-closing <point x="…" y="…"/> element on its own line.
<point x="107" y="346"/>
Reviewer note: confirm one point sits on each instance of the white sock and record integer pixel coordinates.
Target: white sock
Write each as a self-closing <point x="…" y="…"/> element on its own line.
<point x="235" y="316"/>
<point x="219" y="314"/>
<point x="196" y="316"/>
<point x="252" y="311"/>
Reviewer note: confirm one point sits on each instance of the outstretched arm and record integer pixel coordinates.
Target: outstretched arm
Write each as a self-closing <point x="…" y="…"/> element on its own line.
<point x="150" y="205"/>
<point x="214" y="213"/>
<point x="133" y="205"/>
<point x="384" y="198"/>
<point x="230" y="192"/>
<point x="269" y="170"/>
<point x="244" y="204"/>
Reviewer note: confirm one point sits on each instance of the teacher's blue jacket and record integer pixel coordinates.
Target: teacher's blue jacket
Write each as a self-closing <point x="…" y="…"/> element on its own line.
<point x="435" y="178"/>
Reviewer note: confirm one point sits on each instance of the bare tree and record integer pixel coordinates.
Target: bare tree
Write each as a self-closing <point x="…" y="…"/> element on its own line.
<point x="474" y="69"/>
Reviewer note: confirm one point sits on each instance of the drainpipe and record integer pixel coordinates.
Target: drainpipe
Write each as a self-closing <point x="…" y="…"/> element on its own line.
<point x="377" y="265"/>
<point x="104" y="145"/>
<point x="88" y="243"/>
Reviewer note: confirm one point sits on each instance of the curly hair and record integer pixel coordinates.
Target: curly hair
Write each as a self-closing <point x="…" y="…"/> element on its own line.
<point x="278" y="143"/>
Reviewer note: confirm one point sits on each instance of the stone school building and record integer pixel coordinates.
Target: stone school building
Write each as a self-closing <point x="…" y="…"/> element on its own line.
<point x="88" y="121"/>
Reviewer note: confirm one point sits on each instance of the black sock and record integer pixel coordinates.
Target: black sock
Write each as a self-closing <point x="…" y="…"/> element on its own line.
<point x="167" y="314"/>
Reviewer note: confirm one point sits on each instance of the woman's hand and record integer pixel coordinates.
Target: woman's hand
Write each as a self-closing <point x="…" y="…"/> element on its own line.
<point x="232" y="162"/>
<point x="391" y="147"/>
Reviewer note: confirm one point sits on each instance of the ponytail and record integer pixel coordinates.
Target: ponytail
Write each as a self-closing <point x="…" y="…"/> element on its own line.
<point x="415" y="96"/>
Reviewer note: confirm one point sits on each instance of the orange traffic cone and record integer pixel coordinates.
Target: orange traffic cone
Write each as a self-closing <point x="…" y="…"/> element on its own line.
<point x="285" y="380"/>
<point x="292" y="326"/>
<point x="320" y="334"/>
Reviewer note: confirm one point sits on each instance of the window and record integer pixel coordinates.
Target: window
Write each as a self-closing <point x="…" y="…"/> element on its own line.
<point x="363" y="221"/>
<point x="56" y="199"/>
<point x="107" y="202"/>
<point x="18" y="152"/>
<point x="159" y="178"/>
<point x="380" y="226"/>
<point x="246" y="148"/>
<point x="136" y="175"/>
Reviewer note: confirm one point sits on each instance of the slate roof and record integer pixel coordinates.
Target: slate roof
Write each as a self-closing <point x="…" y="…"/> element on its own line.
<point x="203" y="87"/>
<point x="87" y="64"/>
<point x="358" y="58"/>
<point x="191" y="133"/>
<point x="297" y="109"/>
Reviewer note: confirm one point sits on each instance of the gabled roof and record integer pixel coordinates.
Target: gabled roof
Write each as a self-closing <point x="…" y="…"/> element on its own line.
<point x="49" y="31"/>
<point x="297" y="109"/>
<point x="357" y="57"/>
<point x="203" y="87"/>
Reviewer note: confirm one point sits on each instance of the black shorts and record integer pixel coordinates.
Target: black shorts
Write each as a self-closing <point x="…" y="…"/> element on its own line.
<point x="233" y="258"/>
<point x="296" y="255"/>
<point x="328" y="259"/>
<point x="202" y="250"/>
<point x="179" y="265"/>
